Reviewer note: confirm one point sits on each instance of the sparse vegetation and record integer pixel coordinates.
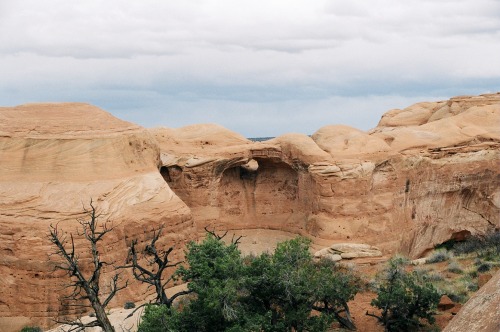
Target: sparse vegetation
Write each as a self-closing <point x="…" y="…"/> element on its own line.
<point x="439" y="256"/>
<point x="486" y="246"/>
<point x="454" y="267"/>
<point x="281" y="291"/>
<point x="129" y="305"/>
<point x="404" y="298"/>
<point x="31" y="329"/>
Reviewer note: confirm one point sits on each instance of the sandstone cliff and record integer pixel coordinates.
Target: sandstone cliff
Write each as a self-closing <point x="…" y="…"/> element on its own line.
<point x="54" y="158"/>
<point x="424" y="175"/>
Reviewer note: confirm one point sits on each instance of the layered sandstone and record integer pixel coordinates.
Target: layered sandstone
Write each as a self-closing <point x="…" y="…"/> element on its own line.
<point x="54" y="158"/>
<point x="424" y="175"/>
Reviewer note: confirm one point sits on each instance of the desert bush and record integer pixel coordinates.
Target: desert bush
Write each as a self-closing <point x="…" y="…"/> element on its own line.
<point x="457" y="290"/>
<point x="454" y="267"/>
<point x="404" y="298"/>
<point x="486" y="246"/>
<point x="472" y="272"/>
<point x="439" y="256"/>
<point x="428" y="275"/>
<point x="129" y="305"/>
<point x="472" y="286"/>
<point x="484" y="267"/>
<point x="31" y="329"/>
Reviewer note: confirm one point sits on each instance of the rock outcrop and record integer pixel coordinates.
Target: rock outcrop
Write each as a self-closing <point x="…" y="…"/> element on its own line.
<point x="54" y="158"/>
<point x="481" y="312"/>
<point x="424" y="175"/>
<point x="339" y="251"/>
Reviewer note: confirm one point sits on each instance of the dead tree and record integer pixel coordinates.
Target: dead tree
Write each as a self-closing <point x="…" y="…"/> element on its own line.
<point x="157" y="262"/>
<point x="234" y="240"/>
<point x="86" y="288"/>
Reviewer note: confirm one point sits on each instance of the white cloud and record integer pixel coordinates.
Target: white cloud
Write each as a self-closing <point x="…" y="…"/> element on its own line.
<point x="246" y="56"/>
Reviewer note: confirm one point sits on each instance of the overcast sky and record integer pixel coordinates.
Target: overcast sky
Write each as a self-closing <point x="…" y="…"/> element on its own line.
<point x="261" y="68"/>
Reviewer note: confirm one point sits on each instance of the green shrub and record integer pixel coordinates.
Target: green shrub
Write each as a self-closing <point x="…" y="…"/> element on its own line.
<point x="438" y="256"/>
<point x="404" y="298"/>
<point x="472" y="286"/>
<point x="454" y="267"/>
<point x="472" y="273"/>
<point x="129" y="305"/>
<point x="270" y="292"/>
<point x="31" y="329"/>
<point x="484" y="267"/>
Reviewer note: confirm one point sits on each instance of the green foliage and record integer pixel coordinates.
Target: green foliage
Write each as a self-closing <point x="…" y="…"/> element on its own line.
<point x="31" y="329"/>
<point x="454" y="267"/>
<point x="285" y="287"/>
<point x="486" y="246"/>
<point x="129" y="305"/>
<point x="404" y="298"/>
<point x="484" y="267"/>
<point x="157" y="318"/>
<point x="438" y="256"/>
<point x="271" y="292"/>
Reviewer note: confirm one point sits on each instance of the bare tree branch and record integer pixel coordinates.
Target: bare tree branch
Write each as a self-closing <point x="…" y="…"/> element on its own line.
<point x="159" y="261"/>
<point x="234" y="241"/>
<point x="85" y="288"/>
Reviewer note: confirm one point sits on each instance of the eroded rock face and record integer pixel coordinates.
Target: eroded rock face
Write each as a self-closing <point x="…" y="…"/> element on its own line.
<point x="480" y="313"/>
<point x="426" y="174"/>
<point x="54" y="158"/>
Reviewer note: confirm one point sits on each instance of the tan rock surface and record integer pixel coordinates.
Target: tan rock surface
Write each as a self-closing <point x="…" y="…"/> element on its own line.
<point x="343" y="141"/>
<point x="53" y="159"/>
<point x="481" y="312"/>
<point x="425" y="175"/>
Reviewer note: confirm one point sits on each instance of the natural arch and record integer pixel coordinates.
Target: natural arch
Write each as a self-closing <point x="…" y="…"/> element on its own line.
<point x="268" y="197"/>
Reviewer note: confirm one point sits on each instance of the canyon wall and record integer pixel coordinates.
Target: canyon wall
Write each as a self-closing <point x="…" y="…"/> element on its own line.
<point x="426" y="174"/>
<point x="55" y="158"/>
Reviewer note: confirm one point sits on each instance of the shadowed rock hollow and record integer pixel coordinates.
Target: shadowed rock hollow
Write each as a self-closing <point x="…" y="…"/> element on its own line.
<point x="424" y="175"/>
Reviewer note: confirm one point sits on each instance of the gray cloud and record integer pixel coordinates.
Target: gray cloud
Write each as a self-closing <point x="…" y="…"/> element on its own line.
<point x="261" y="68"/>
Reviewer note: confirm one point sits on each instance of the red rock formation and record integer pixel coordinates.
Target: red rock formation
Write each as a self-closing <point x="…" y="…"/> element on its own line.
<point x="53" y="159"/>
<point x="426" y="174"/>
<point x="481" y="312"/>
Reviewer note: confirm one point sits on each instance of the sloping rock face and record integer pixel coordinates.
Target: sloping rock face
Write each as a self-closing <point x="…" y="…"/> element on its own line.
<point x="54" y="158"/>
<point x="424" y="175"/>
<point x="480" y="313"/>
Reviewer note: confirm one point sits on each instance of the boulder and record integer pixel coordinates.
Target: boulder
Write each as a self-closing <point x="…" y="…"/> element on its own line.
<point x="480" y="312"/>
<point x="328" y="253"/>
<point x="445" y="303"/>
<point x="356" y="250"/>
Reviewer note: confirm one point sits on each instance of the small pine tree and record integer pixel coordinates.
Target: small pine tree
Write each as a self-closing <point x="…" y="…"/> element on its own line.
<point x="404" y="298"/>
